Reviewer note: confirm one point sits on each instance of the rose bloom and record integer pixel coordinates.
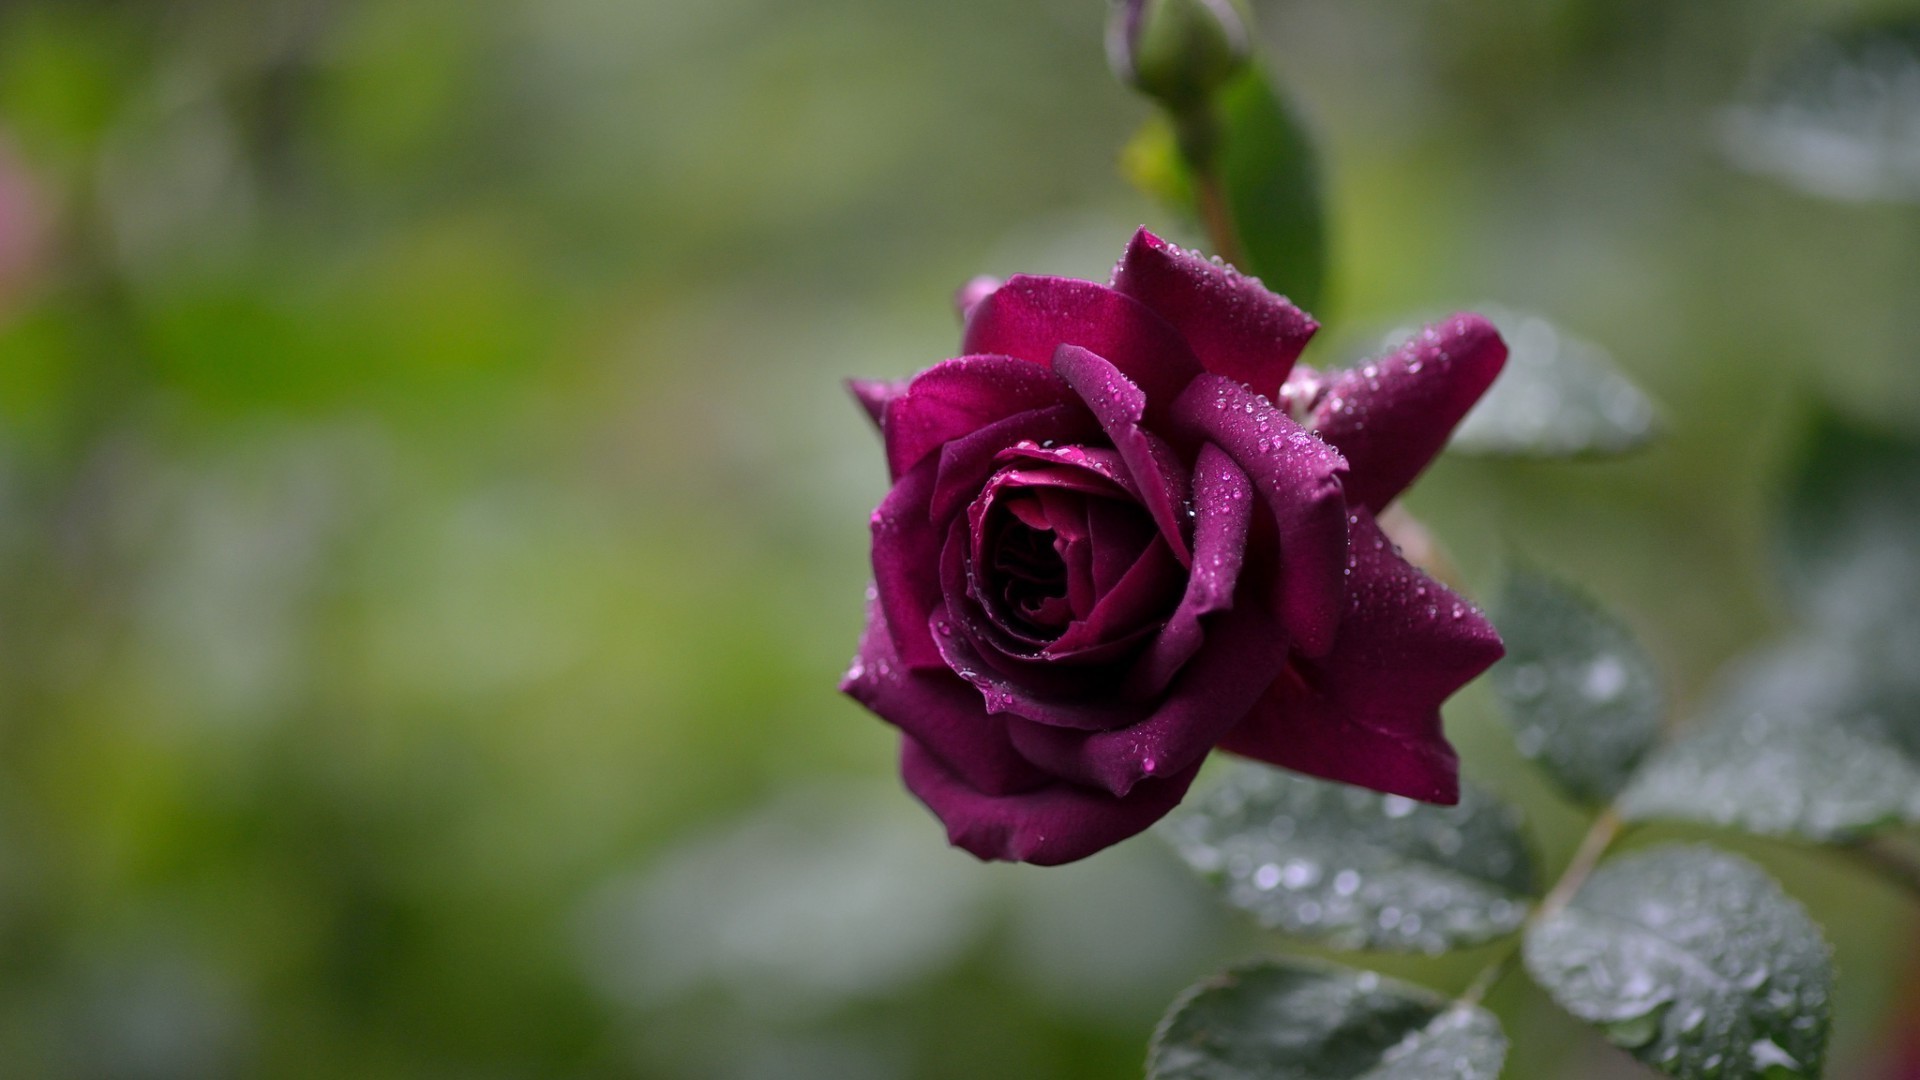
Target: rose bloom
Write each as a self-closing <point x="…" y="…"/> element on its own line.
<point x="1125" y="528"/>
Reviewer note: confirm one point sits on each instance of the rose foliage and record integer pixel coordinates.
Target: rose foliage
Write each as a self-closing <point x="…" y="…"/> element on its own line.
<point x="1125" y="528"/>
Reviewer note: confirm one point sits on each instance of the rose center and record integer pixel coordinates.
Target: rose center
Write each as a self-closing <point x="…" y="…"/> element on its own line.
<point x="1029" y="573"/>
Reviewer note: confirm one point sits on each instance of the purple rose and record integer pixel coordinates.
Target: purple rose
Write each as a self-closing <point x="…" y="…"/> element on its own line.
<point x="1124" y="529"/>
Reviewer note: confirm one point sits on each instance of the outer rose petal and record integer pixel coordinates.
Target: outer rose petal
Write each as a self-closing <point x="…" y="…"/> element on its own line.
<point x="955" y="398"/>
<point x="1299" y="478"/>
<point x="1235" y="326"/>
<point x="1030" y="317"/>
<point x="873" y="395"/>
<point x="1120" y="406"/>
<point x="1047" y="826"/>
<point x="1391" y="416"/>
<point x="906" y="563"/>
<point x="1369" y="713"/>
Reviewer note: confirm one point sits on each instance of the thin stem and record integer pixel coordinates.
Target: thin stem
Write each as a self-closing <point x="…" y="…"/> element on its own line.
<point x="1217" y="216"/>
<point x="1894" y="865"/>
<point x="1600" y="836"/>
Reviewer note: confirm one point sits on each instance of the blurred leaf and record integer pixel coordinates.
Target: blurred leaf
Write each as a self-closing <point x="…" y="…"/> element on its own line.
<point x="1354" y="869"/>
<point x="1271" y="177"/>
<point x="1838" y="118"/>
<point x="1559" y="396"/>
<point x="1286" y="1020"/>
<point x="1850" y="539"/>
<point x="1268" y="177"/>
<point x="1151" y="162"/>
<point x="1795" y="744"/>
<point x="1582" y="695"/>
<point x="1693" y="960"/>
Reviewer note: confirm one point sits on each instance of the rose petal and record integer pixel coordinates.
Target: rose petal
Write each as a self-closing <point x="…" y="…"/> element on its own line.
<point x="873" y="395"/>
<point x="1120" y="407"/>
<point x="1369" y="712"/>
<point x="1223" y="510"/>
<point x="1031" y="317"/>
<point x="1299" y="479"/>
<point x="1235" y="326"/>
<point x="1047" y="826"/>
<point x="968" y="296"/>
<point x="1244" y="652"/>
<point x="1391" y="416"/>
<point x="1126" y="611"/>
<point x="968" y="462"/>
<point x="939" y="711"/>
<point x="906" y="563"/>
<point x="958" y="397"/>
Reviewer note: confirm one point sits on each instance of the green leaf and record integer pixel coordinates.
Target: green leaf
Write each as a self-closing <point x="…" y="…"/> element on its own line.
<point x="1694" y="961"/>
<point x="1268" y="175"/>
<point x="1558" y="397"/>
<point x="1272" y="188"/>
<point x="1287" y="1020"/>
<point x="1797" y="743"/>
<point x="1583" y="697"/>
<point x="1354" y="869"/>
<point x="1850" y="541"/>
<point x="1838" y="118"/>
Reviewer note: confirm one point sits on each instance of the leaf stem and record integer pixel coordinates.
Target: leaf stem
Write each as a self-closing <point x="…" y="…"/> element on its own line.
<point x="1895" y="865"/>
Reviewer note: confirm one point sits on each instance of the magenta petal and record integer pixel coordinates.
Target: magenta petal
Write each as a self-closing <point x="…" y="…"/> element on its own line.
<point x="940" y="711"/>
<point x="1369" y="712"/>
<point x="955" y="398"/>
<point x="874" y="394"/>
<point x="1120" y="406"/>
<point x="1223" y="510"/>
<point x="967" y="463"/>
<point x="1244" y="653"/>
<point x="1031" y="317"/>
<point x="1299" y="479"/>
<point x="1128" y="608"/>
<point x="969" y="295"/>
<point x="1391" y="416"/>
<point x="1047" y="826"/>
<point x="906" y="564"/>
<point x="1235" y="326"/>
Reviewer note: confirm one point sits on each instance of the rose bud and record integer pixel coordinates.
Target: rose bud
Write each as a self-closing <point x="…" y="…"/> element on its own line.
<point x="1124" y="529"/>
<point x="1177" y="51"/>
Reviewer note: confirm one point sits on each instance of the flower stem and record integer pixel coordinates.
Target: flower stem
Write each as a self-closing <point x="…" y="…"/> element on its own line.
<point x="1197" y="131"/>
<point x="1217" y="217"/>
<point x="1600" y="837"/>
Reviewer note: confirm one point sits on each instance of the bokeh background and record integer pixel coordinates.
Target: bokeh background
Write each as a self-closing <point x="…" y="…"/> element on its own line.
<point x="431" y="525"/>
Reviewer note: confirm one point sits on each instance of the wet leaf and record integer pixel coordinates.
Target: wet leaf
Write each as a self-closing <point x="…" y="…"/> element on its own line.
<point x="1796" y="742"/>
<point x="1694" y="961"/>
<point x="1287" y="1020"/>
<point x="1354" y="869"/>
<point x="1583" y="697"/>
<point x="1559" y="396"/>
<point x="1839" y="117"/>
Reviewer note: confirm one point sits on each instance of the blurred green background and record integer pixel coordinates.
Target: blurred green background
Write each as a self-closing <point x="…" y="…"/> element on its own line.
<point x="431" y="525"/>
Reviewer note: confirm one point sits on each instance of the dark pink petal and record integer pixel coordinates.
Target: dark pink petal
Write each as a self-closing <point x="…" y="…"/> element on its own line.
<point x="873" y="395"/>
<point x="969" y="295"/>
<point x="1391" y="416"/>
<point x="1120" y="407"/>
<point x="1235" y="326"/>
<point x="1130" y="607"/>
<point x="940" y="711"/>
<point x="1223" y="510"/>
<point x="1298" y="478"/>
<point x="1031" y="317"/>
<point x="1060" y="694"/>
<point x="1047" y="826"/>
<point x="967" y="463"/>
<point x="906" y="564"/>
<point x="1244" y="652"/>
<point x="958" y="397"/>
<point x="1369" y="712"/>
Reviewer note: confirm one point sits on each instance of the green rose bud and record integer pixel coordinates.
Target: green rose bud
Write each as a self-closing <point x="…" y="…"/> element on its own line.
<point x="1178" y="51"/>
